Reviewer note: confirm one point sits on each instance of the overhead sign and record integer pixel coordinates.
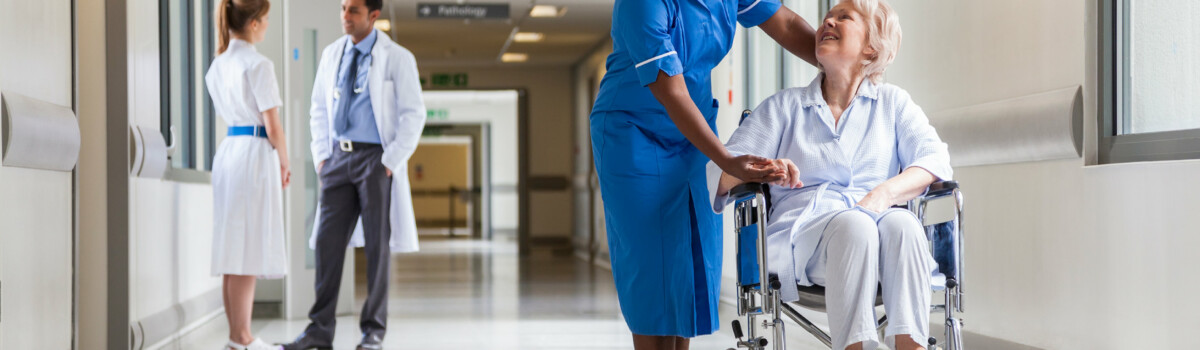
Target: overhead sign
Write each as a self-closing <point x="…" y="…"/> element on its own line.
<point x="460" y="11"/>
<point x="449" y="79"/>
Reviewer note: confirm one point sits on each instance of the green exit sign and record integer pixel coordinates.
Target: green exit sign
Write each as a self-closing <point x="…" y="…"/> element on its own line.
<point x="448" y="80"/>
<point x="437" y="114"/>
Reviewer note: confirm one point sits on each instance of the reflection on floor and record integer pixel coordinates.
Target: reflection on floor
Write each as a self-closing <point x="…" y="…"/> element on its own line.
<point x="469" y="294"/>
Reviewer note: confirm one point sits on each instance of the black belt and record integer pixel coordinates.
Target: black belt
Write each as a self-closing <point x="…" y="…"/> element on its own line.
<point x="351" y="146"/>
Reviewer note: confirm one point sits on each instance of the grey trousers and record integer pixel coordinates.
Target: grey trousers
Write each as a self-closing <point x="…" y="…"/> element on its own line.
<point x="352" y="184"/>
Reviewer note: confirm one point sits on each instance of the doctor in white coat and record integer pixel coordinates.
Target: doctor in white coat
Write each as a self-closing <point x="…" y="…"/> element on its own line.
<point x="367" y="117"/>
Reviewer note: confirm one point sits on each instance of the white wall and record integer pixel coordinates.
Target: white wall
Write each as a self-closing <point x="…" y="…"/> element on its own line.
<point x="550" y="139"/>
<point x="1060" y="255"/>
<point x="586" y="82"/>
<point x="36" y="230"/>
<point x="170" y="223"/>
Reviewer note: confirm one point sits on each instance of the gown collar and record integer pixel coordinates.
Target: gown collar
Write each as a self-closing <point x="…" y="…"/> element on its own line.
<point x="813" y="97"/>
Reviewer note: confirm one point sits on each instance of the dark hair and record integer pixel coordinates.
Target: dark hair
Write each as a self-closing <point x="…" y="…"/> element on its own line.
<point x="234" y="15"/>
<point x="374" y="5"/>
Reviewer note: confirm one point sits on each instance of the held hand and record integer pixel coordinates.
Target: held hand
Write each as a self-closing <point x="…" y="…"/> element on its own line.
<point x="791" y="174"/>
<point x="389" y="172"/>
<point x="875" y="201"/>
<point x="319" y="166"/>
<point x="751" y="168"/>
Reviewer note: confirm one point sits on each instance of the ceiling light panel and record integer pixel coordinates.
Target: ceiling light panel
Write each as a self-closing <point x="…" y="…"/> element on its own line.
<point x="384" y="25"/>
<point x="544" y="11"/>
<point x="528" y="37"/>
<point x="511" y="57"/>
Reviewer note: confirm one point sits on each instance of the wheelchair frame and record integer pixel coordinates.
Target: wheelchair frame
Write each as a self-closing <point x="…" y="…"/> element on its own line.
<point x="753" y="301"/>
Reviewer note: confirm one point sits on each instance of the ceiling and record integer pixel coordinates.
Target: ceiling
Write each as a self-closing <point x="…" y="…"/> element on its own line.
<point x="478" y="43"/>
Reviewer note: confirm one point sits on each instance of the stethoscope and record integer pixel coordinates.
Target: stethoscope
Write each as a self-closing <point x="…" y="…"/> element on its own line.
<point x="337" y="93"/>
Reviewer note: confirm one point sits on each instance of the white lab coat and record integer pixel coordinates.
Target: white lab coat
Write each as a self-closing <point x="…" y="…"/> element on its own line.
<point x="399" y="109"/>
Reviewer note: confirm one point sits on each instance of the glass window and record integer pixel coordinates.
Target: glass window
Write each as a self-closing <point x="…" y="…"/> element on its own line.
<point x="770" y="68"/>
<point x="1149" y="80"/>
<point x="187" y="47"/>
<point x="763" y="67"/>
<point x="797" y="72"/>
<point x="1160" y="52"/>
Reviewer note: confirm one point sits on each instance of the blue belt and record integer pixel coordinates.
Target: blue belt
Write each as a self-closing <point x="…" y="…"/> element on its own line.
<point x="260" y="131"/>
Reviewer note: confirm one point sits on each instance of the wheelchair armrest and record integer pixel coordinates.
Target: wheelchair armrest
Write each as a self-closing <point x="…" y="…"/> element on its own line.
<point x="748" y="189"/>
<point x="941" y="188"/>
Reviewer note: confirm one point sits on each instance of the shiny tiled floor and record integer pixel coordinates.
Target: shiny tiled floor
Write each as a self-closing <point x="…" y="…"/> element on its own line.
<point x="467" y="294"/>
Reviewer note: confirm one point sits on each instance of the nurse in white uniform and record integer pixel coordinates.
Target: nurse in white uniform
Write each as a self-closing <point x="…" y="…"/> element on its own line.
<point x="250" y="169"/>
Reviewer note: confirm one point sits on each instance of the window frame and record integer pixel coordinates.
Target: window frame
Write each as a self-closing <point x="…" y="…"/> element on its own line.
<point x="193" y="138"/>
<point x="1114" y="97"/>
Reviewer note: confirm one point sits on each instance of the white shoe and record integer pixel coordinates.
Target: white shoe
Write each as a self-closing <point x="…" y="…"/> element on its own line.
<point x="257" y="344"/>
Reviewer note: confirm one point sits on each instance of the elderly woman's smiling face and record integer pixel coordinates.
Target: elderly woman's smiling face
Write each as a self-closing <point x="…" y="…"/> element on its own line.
<point x="842" y="38"/>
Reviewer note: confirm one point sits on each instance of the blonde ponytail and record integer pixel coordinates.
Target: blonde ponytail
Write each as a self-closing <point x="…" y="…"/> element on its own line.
<point x="232" y="16"/>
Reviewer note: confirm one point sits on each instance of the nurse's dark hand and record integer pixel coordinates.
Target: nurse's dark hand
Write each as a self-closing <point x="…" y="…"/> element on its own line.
<point x="751" y="168"/>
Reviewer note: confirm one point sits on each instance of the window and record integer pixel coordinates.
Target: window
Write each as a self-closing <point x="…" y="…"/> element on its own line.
<point x="797" y="72"/>
<point x="187" y="47"/>
<point x="1149" y="80"/>
<point x="770" y="68"/>
<point x="763" y="67"/>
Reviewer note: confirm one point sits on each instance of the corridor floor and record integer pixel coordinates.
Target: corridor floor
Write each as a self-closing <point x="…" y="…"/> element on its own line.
<point x="471" y="294"/>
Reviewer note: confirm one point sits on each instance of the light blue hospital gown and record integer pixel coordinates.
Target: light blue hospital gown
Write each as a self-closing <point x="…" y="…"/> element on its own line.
<point x="664" y="241"/>
<point x="881" y="133"/>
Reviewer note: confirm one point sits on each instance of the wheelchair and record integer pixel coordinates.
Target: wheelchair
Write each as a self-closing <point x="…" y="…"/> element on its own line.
<point x="756" y="299"/>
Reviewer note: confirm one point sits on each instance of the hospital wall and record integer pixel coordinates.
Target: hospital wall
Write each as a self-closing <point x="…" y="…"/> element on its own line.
<point x="499" y="111"/>
<point x="36" y="233"/>
<point x="1061" y="254"/>
<point x="588" y="227"/>
<point x="549" y="110"/>
<point x="170" y="220"/>
<point x="170" y="286"/>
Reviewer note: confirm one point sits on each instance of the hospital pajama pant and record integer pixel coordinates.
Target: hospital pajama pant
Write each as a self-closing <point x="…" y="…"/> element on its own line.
<point x="859" y="251"/>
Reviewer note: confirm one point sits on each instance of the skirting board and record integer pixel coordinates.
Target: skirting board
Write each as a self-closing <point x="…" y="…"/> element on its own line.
<point x="151" y="331"/>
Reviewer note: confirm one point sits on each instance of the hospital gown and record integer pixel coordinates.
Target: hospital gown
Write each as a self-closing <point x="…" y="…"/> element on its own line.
<point x="880" y="134"/>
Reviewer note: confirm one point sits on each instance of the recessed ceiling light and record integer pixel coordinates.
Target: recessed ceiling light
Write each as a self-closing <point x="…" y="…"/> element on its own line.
<point x="548" y="11"/>
<point x="528" y="37"/>
<point x="384" y="25"/>
<point x="510" y="57"/>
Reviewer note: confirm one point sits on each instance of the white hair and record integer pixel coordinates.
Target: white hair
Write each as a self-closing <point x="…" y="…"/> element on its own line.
<point x="883" y="35"/>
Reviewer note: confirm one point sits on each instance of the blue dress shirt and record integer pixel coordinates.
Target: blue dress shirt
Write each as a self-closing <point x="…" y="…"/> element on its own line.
<point x="362" y="119"/>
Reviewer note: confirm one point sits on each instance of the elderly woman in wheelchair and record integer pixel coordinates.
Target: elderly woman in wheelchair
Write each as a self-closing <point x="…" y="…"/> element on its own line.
<point x="853" y="148"/>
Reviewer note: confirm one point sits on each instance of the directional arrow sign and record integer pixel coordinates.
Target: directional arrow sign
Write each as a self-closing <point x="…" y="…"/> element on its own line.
<point x="460" y="11"/>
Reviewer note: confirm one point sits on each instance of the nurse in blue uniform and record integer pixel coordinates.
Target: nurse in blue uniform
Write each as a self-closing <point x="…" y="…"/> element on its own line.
<point x="653" y="130"/>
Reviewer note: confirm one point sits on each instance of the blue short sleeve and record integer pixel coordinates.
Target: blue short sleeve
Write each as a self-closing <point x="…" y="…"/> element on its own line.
<point x="643" y="28"/>
<point x="751" y="13"/>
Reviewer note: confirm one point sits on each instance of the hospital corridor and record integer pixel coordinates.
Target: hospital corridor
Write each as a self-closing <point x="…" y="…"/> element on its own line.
<point x="599" y="174"/>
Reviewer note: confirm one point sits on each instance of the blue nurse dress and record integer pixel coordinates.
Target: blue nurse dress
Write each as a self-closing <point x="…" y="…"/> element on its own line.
<point x="664" y="240"/>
